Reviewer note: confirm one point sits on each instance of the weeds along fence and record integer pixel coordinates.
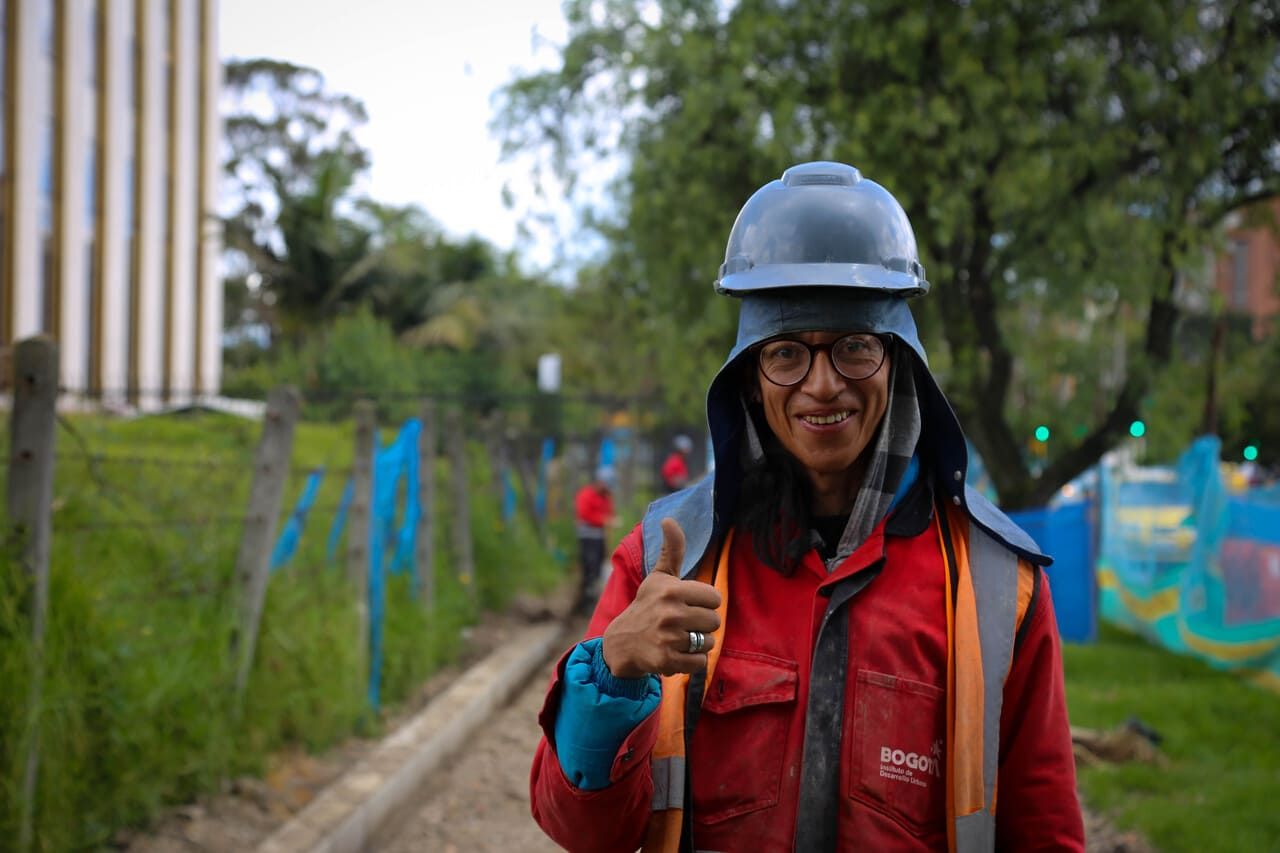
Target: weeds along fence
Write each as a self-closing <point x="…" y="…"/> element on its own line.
<point x="185" y="594"/>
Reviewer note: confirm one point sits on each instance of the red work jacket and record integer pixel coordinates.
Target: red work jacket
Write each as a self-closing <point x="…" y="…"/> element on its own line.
<point x="594" y="507"/>
<point x="746" y="749"/>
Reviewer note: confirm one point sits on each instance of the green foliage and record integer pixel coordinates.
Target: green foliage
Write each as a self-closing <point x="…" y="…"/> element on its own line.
<point x="357" y="357"/>
<point x="1218" y="790"/>
<point x="292" y="160"/>
<point x="305" y="250"/>
<point x="1259" y="425"/>
<point x="1175" y="409"/>
<point x="138" y="709"/>
<point x="1059" y="186"/>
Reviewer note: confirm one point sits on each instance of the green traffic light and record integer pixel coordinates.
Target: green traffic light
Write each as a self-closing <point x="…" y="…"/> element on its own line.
<point x="1137" y="429"/>
<point x="1250" y="453"/>
<point x="1042" y="433"/>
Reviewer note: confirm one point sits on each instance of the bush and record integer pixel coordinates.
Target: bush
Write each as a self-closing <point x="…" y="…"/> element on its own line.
<point x="358" y="356"/>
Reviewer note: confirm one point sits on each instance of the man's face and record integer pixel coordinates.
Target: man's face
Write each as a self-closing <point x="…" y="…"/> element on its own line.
<point x="825" y="421"/>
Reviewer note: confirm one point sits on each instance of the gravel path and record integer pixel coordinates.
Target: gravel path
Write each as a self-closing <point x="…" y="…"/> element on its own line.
<point x="482" y="802"/>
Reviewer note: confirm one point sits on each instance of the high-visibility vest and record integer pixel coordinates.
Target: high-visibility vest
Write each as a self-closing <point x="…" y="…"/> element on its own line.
<point x="988" y="591"/>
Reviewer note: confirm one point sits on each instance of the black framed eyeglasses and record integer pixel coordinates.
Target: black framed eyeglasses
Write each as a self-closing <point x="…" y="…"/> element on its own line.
<point x="785" y="362"/>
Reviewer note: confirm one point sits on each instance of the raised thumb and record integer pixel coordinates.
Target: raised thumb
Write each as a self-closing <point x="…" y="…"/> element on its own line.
<point x="671" y="557"/>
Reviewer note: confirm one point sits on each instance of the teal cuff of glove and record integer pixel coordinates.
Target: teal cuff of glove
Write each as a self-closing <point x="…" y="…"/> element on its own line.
<point x="597" y="712"/>
<point x="610" y="684"/>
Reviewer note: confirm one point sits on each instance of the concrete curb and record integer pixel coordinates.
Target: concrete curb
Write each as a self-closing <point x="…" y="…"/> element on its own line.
<point x="367" y="801"/>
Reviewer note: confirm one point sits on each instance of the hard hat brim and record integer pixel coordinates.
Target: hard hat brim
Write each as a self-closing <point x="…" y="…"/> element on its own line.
<point x="862" y="276"/>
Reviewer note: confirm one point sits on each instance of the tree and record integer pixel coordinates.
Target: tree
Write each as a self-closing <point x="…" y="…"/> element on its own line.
<point x="1065" y="165"/>
<point x="290" y="167"/>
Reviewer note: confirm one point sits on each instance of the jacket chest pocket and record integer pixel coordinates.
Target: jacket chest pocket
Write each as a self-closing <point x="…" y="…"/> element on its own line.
<point x="740" y="741"/>
<point x="895" y="763"/>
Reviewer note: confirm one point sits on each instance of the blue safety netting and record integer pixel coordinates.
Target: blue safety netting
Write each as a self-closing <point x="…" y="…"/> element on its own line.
<point x="1065" y="532"/>
<point x="393" y="529"/>
<point x="1192" y="564"/>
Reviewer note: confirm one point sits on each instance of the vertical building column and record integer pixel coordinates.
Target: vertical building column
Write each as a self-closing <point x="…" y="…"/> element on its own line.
<point x="209" y="227"/>
<point x="77" y="130"/>
<point x="153" y="35"/>
<point x="183" y="163"/>
<point x="116" y="115"/>
<point x="31" y="94"/>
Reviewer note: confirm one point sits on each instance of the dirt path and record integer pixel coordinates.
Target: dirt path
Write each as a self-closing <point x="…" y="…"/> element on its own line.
<point x="482" y="802"/>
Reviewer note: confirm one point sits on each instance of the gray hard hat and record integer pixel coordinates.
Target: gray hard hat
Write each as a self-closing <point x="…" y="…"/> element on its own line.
<point x="822" y="225"/>
<point x="607" y="476"/>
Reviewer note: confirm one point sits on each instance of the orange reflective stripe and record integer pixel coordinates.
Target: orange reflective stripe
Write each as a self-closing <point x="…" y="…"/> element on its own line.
<point x="667" y="818"/>
<point x="1026" y="585"/>
<point x="671" y="716"/>
<point x="721" y="583"/>
<point x="951" y="684"/>
<point x="967" y="758"/>
<point x="663" y="832"/>
<point x="964" y="680"/>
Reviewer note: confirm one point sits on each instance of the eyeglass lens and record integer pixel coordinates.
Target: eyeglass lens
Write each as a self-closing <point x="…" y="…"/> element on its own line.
<point x="854" y="357"/>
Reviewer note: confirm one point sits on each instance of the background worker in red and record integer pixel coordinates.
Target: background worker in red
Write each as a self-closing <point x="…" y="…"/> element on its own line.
<point x="833" y="643"/>
<point x="593" y="511"/>
<point x="675" y="469"/>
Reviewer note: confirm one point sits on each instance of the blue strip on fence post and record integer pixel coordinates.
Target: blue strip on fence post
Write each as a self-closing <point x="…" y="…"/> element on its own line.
<point x="508" y="497"/>
<point x="374" y="591"/>
<point x="393" y="464"/>
<point x="287" y="543"/>
<point x="340" y="520"/>
<point x="399" y="464"/>
<point x="548" y="453"/>
<point x="407" y="539"/>
<point x="386" y="474"/>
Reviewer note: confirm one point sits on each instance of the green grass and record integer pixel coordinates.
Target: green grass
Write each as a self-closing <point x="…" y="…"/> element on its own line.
<point x="138" y="709"/>
<point x="1221" y="788"/>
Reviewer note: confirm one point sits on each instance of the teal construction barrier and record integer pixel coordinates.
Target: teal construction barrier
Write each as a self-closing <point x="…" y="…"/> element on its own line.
<point x="1192" y="566"/>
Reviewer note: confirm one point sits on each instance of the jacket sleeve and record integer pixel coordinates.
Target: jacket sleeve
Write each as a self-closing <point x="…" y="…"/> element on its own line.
<point x="1037" y="806"/>
<point x="612" y="818"/>
<point x="597" y="712"/>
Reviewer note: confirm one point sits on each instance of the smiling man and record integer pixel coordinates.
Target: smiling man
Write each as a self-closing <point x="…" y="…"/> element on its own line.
<point x="832" y="643"/>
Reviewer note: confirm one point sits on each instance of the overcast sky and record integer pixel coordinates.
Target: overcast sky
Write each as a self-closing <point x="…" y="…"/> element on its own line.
<point x="425" y="70"/>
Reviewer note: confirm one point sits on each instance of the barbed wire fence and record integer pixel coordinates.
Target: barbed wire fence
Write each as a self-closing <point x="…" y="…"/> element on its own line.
<point x="203" y="533"/>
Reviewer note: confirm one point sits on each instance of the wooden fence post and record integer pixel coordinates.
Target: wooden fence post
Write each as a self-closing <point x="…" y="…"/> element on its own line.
<point x="359" y="519"/>
<point x="462" y="551"/>
<point x="30" y="493"/>
<point x="253" y="563"/>
<point x="425" y="549"/>
<point x="495" y="448"/>
<point x="627" y="472"/>
<point x="529" y="485"/>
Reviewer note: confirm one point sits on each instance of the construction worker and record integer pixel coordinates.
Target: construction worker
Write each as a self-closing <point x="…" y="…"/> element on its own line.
<point x="593" y="511"/>
<point x="833" y="643"/>
<point x="675" y="468"/>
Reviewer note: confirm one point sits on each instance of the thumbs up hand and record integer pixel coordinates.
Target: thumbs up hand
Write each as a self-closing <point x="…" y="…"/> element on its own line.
<point x="652" y="633"/>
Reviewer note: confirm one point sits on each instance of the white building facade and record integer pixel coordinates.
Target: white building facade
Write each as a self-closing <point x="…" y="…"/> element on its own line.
<point x="109" y="239"/>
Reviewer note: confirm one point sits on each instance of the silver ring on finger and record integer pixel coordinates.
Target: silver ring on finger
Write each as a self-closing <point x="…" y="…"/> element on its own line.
<point x="697" y="642"/>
